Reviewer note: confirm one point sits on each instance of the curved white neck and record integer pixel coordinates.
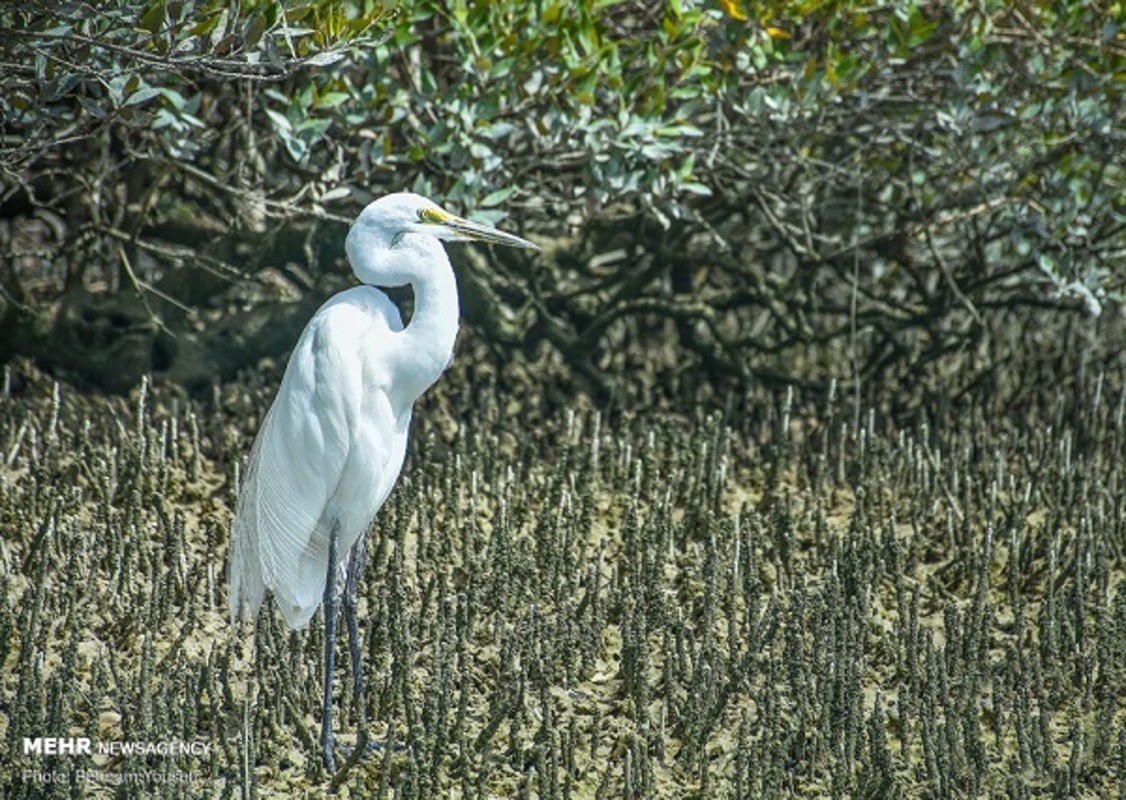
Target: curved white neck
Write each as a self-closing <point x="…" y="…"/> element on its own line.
<point x="425" y="347"/>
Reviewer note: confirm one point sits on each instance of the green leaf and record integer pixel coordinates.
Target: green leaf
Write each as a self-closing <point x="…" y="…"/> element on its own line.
<point x="331" y="99"/>
<point x="281" y="122"/>
<point x="227" y="44"/>
<point x="314" y="128"/>
<point x="153" y="19"/>
<point x="297" y="13"/>
<point x="92" y="108"/>
<point x="488" y="216"/>
<point x="206" y="25"/>
<point x="254" y="30"/>
<point x="497" y="197"/>
<point x="324" y="59"/>
<point x="297" y="148"/>
<point x="176" y="99"/>
<point x="143" y="95"/>
<point x="496" y="130"/>
<point x="692" y="187"/>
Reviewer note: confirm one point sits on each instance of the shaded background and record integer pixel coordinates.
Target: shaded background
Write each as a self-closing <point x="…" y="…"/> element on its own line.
<point x="920" y="205"/>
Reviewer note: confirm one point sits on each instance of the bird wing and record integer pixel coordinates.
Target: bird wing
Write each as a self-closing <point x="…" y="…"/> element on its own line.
<point x="284" y="515"/>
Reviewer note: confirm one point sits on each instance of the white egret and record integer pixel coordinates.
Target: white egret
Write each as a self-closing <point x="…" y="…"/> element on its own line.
<point x="333" y="442"/>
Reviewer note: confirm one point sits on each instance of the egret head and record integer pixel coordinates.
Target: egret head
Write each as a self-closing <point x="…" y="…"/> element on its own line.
<point x="391" y="217"/>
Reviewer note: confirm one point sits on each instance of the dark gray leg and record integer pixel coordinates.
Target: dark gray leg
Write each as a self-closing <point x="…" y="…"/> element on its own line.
<point x="351" y="608"/>
<point x="331" y="610"/>
<point x="351" y="619"/>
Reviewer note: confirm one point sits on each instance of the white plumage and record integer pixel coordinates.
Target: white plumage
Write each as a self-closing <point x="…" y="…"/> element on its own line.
<point x="333" y="442"/>
<point x="330" y="449"/>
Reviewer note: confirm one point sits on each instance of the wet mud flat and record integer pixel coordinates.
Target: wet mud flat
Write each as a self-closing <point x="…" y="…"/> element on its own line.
<point x="574" y="605"/>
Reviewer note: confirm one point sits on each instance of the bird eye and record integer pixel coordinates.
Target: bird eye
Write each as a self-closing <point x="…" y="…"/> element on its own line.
<point x="428" y="215"/>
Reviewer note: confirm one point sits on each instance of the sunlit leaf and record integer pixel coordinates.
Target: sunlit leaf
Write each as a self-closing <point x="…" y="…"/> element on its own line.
<point x="734" y="9"/>
<point x="324" y="59"/>
<point x="497" y="197"/>
<point x="331" y="99"/>
<point x="281" y="122"/>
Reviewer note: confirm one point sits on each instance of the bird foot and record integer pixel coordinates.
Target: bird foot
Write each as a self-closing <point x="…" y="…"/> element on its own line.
<point x="328" y="757"/>
<point x="370" y="747"/>
<point x="352" y="756"/>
